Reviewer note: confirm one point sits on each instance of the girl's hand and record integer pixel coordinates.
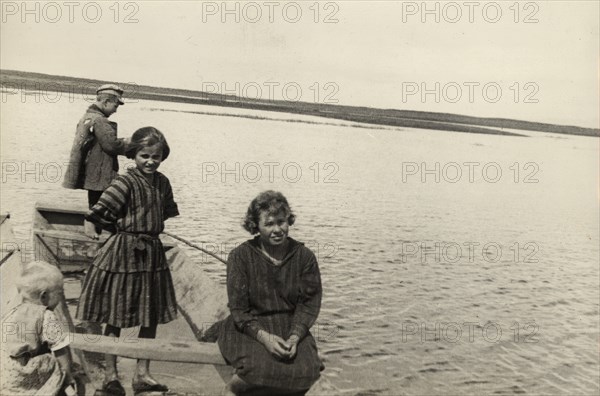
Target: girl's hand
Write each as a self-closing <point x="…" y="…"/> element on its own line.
<point x="71" y="389"/>
<point x="274" y="344"/>
<point x="292" y="346"/>
<point x="89" y="229"/>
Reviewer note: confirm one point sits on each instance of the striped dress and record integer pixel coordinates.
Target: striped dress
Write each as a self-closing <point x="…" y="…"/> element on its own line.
<point x="129" y="282"/>
<point x="281" y="300"/>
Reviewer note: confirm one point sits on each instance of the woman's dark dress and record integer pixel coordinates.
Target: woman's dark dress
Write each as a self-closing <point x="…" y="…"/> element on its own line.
<point x="281" y="300"/>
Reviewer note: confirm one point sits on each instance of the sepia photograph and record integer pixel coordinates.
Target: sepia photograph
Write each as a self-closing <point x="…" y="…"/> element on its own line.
<point x="311" y="197"/>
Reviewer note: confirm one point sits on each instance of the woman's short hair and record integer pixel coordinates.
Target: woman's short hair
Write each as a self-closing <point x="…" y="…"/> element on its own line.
<point x="37" y="277"/>
<point x="272" y="202"/>
<point x="146" y="137"/>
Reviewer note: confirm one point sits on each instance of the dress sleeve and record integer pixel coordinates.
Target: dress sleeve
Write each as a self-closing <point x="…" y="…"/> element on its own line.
<point x="106" y="134"/>
<point x="170" y="206"/>
<point x="111" y="205"/>
<point x="54" y="332"/>
<point x="309" y="303"/>
<point x="237" y="293"/>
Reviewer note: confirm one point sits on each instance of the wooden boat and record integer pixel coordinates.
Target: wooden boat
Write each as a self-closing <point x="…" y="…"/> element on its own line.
<point x="58" y="238"/>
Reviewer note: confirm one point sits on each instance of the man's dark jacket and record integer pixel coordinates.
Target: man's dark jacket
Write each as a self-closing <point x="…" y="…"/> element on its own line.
<point x="93" y="161"/>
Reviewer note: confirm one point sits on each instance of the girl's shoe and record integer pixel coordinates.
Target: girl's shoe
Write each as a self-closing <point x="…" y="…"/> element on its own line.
<point x="139" y="387"/>
<point x="112" y="388"/>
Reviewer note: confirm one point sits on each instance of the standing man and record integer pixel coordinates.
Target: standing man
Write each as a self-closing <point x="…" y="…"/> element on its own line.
<point x="93" y="162"/>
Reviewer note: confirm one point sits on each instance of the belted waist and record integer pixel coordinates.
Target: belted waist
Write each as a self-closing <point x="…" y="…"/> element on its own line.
<point x="141" y="237"/>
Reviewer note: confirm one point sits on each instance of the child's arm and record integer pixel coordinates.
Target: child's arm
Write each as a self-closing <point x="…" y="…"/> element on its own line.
<point x="170" y="206"/>
<point x="111" y="205"/>
<point x="55" y="334"/>
<point x="65" y="361"/>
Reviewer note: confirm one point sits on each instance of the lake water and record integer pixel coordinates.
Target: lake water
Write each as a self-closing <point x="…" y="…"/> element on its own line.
<point x="479" y="282"/>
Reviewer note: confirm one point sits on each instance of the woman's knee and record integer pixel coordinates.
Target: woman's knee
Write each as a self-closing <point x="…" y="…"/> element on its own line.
<point x="238" y="385"/>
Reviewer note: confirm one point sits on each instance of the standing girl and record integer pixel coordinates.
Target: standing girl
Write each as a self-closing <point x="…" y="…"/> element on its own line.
<point x="129" y="283"/>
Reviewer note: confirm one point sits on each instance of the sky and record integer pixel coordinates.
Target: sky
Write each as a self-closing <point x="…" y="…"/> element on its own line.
<point x="529" y="60"/>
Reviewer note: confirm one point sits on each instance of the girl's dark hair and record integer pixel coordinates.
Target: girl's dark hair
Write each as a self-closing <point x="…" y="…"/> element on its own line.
<point x="272" y="202"/>
<point x="144" y="137"/>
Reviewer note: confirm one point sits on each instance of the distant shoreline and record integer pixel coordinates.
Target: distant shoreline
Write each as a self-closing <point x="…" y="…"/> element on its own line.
<point x="12" y="80"/>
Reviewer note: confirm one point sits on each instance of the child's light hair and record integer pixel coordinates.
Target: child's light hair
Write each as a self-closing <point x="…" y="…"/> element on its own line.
<point x="37" y="277"/>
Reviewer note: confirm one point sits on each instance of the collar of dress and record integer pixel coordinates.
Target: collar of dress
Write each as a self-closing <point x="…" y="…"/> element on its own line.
<point x="138" y="173"/>
<point x="293" y="247"/>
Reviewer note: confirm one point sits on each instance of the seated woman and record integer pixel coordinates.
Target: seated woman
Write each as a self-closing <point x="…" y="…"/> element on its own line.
<point x="274" y="290"/>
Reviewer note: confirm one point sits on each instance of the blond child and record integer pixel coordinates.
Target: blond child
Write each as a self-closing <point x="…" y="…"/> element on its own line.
<point x="36" y="358"/>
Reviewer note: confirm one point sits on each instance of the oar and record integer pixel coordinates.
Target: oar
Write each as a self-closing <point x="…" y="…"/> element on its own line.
<point x="195" y="246"/>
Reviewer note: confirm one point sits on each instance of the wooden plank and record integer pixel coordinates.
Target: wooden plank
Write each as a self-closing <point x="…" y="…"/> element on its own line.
<point x="81" y="237"/>
<point x="44" y="252"/>
<point x="72" y="236"/>
<point x="10" y="268"/>
<point x="182" y="351"/>
<point x="61" y="208"/>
